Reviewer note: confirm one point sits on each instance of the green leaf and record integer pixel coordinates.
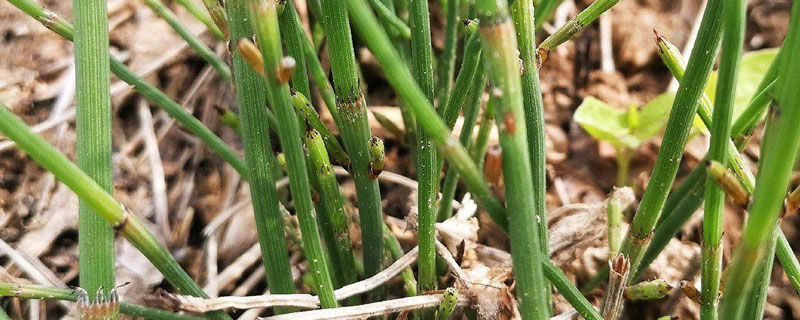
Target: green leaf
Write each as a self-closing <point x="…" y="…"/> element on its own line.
<point x="753" y="67"/>
<point x="611" y="125"/>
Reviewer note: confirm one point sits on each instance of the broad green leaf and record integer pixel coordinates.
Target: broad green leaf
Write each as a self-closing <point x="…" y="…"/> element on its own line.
<point x="612" y="125"/>
<point x="753" y="67"/>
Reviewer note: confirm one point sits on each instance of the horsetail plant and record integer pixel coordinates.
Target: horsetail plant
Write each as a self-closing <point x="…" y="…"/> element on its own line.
<point x="733" y="12"/>
<point x="449" y="298"/>
<point x="293" y="36"/>
<point x="278" y="70"/>
<point x="675" y="136"/>
<point x="204" y="17"/>
<point x="398" y="75"/>
<point x="471" y="64"/>
<point x="447" y="59"/>
<point x="93" y="130"/>
<point x="574" y="26"/>
<point x="333" y="203"/>
<point x="198" y="46"/>
<point x="391" y="18"/>
<point x="499" y="49"/>
<point x="428" y="169"/>
<point x="355" y="130"/>
<point x="103" y="204"/>
<point x="251" y="99"/>
<point x="522" y="14"/>
<point x="63" y="28"/>
<point x="779" y="150"/>
<point x="568" y="290"/>
<point x="218" y="15"/>
<point x="32" y="291"/>
<point x="307" y="113"/>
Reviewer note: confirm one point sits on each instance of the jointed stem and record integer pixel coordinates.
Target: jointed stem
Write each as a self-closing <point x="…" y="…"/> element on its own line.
<point x="93" y="126"/>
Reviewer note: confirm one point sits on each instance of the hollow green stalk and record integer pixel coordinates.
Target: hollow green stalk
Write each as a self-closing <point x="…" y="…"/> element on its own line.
<point x="293" y="37"/>
<point x="230" y="119"/>
<point x="779" y="149"/>
<point x="675" y="136"/>
<point x="471" y="109"/>
<point x="103" y="204"/>
<point x="732" y="41"/>
<point x="614" y="209"/>
<point x="93" y="145"/>
<point x="788" y="260"/>
<point x="355" y="131"/>
<point x="339" y="234"/>
<point x="151" y="93"/>
<point x="307" y="113"/>
<point x="217" y="12"/>
<point x="472" y="63"/>
<point x="427" y="165"/>
<point x="32" y="291"/>
<point x="478" y="148"/>
<point x="575" y="25"/>
<point x="672" y="58"/>
<point x="320" y="78"/>
<point x="568" y="290"/>
<point x="251" y="99"/>
<point x="203" y="17"/>
<point x="725" y="180"/>
<point x="198" y="46"/>
<point x="264" y="19"/>
<point x="500" y="52"/>
<point x="396" y="251"/>
<point x="400" y="79"/>
<point x="447" y="59"/>
<point x="391" y="18"/>
<point x="449" y="297"/>
<point x="523" y="15"/>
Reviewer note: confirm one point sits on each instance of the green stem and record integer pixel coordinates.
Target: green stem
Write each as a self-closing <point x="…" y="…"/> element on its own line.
<point x="614" y="208"/>
<point x="198" y="46"/>
<point x="471" y="109"/>
<point x="568" y="290"/>
<point x="355" y="130"/>
<point x="218" y="15"/>
<point x="524" y="218"/>
<point x="307" y="113"/>
<point x="427" y="164"/>
<point x="106" y="207"/>
<point x="675" y="136"/>
<point x="449" y="297"/>
<point x="258" y="154"/>
<point x="203" y="17"/>
<point x="320" y="77"/>
<point x="623" y="159"/>
<point x="779" y="149"/>
<point x="396" y="251"/>
<point x="544" y="11"/>
<point x="32" y="291"/>
<point x="471" y="64"/>
<point x="397" y="74"/>
<point x="447" y="60"/>
<point x="293" y="37"/>
<point x="575" y="25"/>
<point x="151" y="93"/>
<point x="478" y="149"/>
<point x="264" y="18"/>
<point x="788" y="260"/>
<point x="733" y="39"/>
<point x="523" y="15"/>
<point x="93" y="130"/>
<point x="391" y="19"/>
<point x="333" y="204"/>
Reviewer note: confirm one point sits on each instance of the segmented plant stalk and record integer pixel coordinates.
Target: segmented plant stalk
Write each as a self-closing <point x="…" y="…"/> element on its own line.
<point x="278" y="70"/>
<point x="568" y="290"/>
<point x="574" y="26"/>
<point x="355" y="130"/>
<point x="732" y="41"/>
<point x="93" y="130"/>
<point x="198" y="46"/>
<point x="472" y="63"/>
<point x="471" y="109"/>
<point x="500" y="52"/>
<point x="779" y="147"/>
<point x="307" y="113"/>
<point x="391" y="18"/>
<point x="614" y="208"/>
<point x="522" y="14"/>
<point x="687" y="198"/>
<point x="791" y="267"/>
<point x="103" y="204"/>
<point x="333" y="204"/>
<point x="427" y="165"/>
<point x="612" y="302"/>
<point x="32" y="291"/>
<point x="675" y="136"/>
<point x="151" y="93"/>
<point x="447" y="59"/>
<point x="478" y="149"/>
<point x="203" y="17"/>
<point x="400" y="79"/>
<point x="251" y="99"/>
<point x="293" y="37"/>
